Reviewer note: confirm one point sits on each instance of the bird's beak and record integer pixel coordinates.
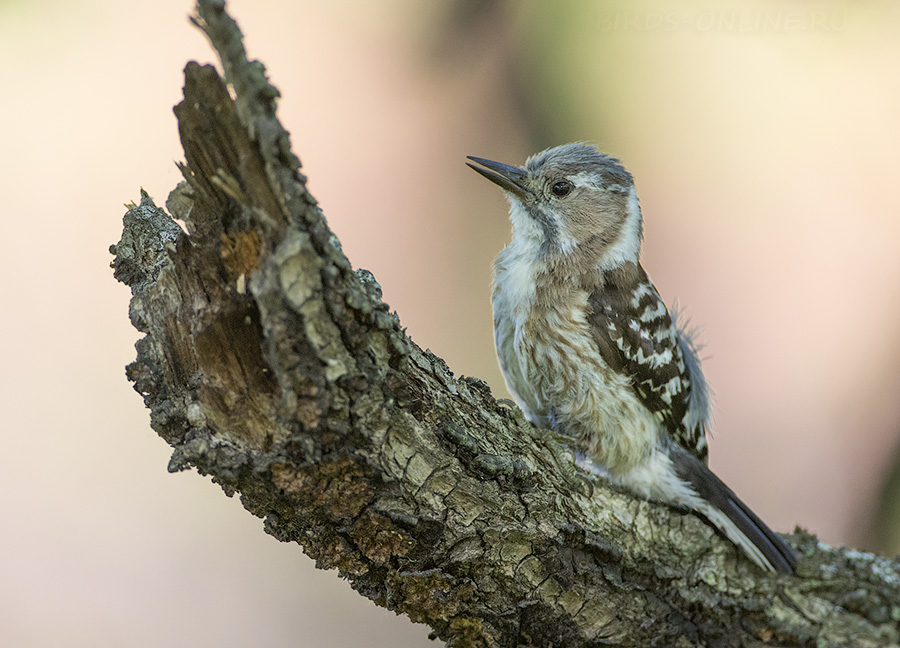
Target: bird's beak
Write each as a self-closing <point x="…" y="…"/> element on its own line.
<point x="510" y="178"/>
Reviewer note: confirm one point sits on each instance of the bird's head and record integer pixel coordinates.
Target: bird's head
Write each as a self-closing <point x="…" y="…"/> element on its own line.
<point x="571" y="201"/>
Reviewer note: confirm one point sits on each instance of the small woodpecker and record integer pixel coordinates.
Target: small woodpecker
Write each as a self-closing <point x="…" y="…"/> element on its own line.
<point x="588" y="348"/>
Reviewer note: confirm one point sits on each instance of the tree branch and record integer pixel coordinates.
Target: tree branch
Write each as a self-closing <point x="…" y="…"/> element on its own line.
<point x="271" y="365"/>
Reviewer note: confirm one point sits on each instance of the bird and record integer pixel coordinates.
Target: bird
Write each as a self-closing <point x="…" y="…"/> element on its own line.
<point x="588" y="349"/>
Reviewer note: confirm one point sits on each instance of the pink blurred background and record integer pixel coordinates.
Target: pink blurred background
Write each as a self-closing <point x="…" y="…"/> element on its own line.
<point x="763" y="137"/>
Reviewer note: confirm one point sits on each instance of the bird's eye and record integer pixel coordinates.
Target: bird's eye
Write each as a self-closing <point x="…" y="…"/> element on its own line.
<point x="561" y="188"/>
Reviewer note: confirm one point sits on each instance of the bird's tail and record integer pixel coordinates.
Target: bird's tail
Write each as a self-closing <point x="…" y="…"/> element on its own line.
<point x="733" y="518"/>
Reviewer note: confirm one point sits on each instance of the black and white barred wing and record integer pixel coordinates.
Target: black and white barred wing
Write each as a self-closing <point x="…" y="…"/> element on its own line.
<point x="637" y="337"/>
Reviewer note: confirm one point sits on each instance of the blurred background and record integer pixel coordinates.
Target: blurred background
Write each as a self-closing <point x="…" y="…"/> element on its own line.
<point x="763" y="137"/>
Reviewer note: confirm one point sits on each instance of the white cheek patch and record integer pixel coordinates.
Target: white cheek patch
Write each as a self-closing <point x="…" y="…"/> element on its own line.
<point x="627" y="246"/>
<point x="566" y="243"/>
<point x="539" y="228"/>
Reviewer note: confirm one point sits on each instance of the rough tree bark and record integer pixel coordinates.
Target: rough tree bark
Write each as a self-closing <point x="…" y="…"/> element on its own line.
<point x="271" y="365"/>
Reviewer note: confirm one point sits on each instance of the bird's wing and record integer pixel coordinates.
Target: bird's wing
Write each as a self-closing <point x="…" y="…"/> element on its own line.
<point x="637" y="337"/>
<point x="698" y="412"/>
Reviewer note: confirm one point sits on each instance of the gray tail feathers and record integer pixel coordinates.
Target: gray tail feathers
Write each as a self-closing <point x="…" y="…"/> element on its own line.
<point x="734" y="518"/>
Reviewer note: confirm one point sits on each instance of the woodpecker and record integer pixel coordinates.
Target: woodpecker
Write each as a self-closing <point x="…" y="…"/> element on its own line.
<point x="588" y="348"/>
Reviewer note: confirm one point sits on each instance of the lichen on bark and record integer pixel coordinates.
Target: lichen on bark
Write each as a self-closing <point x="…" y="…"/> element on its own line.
<point x="273" y="366"/>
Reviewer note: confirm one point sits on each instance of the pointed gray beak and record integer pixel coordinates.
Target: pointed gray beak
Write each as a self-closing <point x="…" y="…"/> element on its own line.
<point x="510" y="178"/>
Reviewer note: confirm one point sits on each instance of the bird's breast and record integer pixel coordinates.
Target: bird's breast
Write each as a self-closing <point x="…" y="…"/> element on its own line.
<point x="553" y="368"/>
